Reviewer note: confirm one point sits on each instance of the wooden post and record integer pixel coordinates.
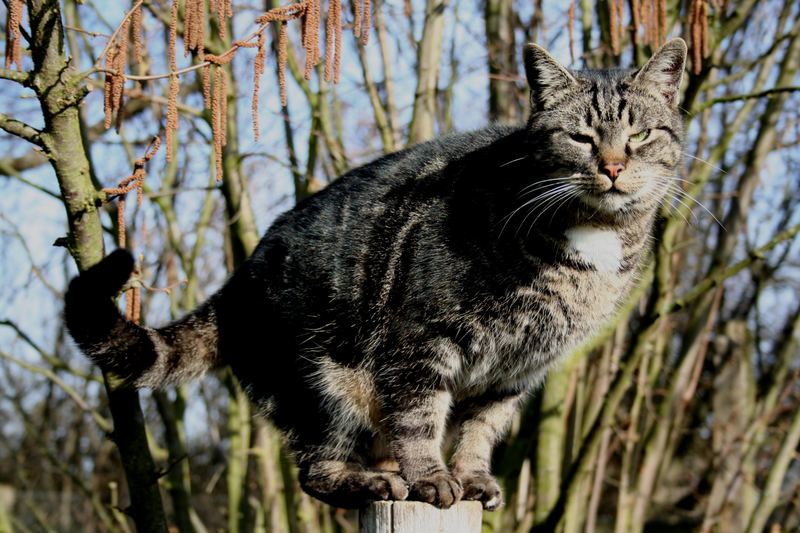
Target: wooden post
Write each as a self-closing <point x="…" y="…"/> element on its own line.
<point x="417" y="517"/>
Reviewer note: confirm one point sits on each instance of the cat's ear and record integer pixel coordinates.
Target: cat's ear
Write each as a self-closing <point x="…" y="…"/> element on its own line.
<point x="546" y="77"/>
<point x="664" y="71"/>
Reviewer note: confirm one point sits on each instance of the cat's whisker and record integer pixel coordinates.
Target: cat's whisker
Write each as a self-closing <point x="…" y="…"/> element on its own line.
<point x="533" y="200"/>
<point x="546" y="198"/>
<point x="675" y="209"/>
<point x="698" y="202"/>
<point x="567" y="199"/>
<point x="715" y="167"/>
<point x="675" y="178"/>
<point x="541" y="183"/>
<point x="537" y="189"/>
<point x="543" y="198"/>
<point x="514" y="161"/>
<point x="553" y="202"/>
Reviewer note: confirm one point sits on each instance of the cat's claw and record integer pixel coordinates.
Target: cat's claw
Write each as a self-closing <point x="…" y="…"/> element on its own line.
<point x="440" y="489"/>
<point x="483" y="488"/>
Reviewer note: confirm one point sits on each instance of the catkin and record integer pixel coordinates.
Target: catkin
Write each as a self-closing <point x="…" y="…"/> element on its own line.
<point x="282" y="38"/>
<point x="14" y="34"/>
<point x="172" y="113"/>
<point x="337" y="26"/>
<point x="214" y="76"/>
<point x="134" y="181"/>
<point x="367" y="22"/>
<point x="114" y="84"/>
<point x="329" y="40"/>
<point x="258" y="71"/>
<point x="358" y="8"/>
<point x="194" y="28"/>
<point x="138" y="46"/>
<point x="613" y="26"/>
<point x="219" y="114"/>
<point x="698" y="31"/>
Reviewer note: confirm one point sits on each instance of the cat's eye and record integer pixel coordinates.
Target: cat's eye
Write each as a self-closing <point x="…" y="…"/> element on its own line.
<point x="583" y="139"/>
<point x="639" y="137"/>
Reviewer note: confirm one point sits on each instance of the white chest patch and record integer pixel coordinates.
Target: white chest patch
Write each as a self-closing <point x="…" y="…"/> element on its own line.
<point x="599" y="247"/>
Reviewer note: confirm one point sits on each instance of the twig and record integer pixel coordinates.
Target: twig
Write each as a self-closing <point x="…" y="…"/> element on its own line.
<point x="104" y="424"/>
<point x="87" y="32"/>
<point x="768" y="93"/>
<point x="113" y="37"/>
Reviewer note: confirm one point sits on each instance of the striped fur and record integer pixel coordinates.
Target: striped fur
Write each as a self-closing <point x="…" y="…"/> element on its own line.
<point x="425" y="293"/>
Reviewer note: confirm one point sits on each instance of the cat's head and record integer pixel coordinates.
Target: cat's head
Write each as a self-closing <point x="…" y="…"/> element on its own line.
<point x="611" y="139"/>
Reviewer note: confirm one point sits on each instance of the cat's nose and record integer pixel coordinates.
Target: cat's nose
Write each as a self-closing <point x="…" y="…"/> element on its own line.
<point x="612" y="168"/>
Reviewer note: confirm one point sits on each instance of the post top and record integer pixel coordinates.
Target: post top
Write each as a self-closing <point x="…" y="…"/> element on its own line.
<point x="418" y="517"/>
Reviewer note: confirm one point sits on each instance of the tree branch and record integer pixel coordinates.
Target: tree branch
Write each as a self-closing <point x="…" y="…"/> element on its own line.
<point x="15" y="75"/>
<point x="21" y="130"/>
<point x="768" y="93"/>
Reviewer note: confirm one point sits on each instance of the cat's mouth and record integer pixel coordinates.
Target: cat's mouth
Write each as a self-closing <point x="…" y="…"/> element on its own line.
<point x="610" y="200"/>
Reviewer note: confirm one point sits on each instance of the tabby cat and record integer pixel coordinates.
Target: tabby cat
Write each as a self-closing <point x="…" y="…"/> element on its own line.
<point x="424" y="294"/>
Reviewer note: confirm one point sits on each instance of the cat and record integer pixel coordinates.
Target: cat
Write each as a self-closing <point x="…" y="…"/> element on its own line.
<point x="426" y="293"/>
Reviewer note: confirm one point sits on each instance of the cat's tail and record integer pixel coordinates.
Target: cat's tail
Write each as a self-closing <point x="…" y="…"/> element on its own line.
<point x="142" y="357"/>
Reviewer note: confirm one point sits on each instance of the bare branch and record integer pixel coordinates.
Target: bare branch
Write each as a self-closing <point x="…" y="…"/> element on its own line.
<point x="15" y="75"/>
<point x="21" y="130"/>
<point x="104" y="424"/>
<point x="769" y="93"/>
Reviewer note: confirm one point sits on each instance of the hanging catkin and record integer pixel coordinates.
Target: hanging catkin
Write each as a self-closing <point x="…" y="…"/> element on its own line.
<point x="635" y="20"/>
<point x="14" y="34"/>
<point x="613" y="26"/>
<point x="329" y="40"/>
<point x="172" y="113"/>
<point x="282" y="53"/>
<point x="214" y="75"/>
<point x="337" y="27"/>
<point x="136" y="22"/>
<point x="174" y="84"/>
<point x="133" y="182"/>
<point x="194" y="28"/>
<point x="114" y="85"/>
<point x="698" y="31"/>
<point x="367" y="22"/>
<point x="219" y="114"/>
<point x="258" y="70"/>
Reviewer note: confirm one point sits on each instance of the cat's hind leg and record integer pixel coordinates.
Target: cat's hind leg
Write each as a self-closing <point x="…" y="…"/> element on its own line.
<point x="331" y="439"/>
<point x="349" y="484"/>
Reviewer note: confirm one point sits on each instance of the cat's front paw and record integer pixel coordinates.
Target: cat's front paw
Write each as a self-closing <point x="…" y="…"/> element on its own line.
<point x="482" y="487"/>
<point x="440" y="489"/>
<point x="385" y="486"/>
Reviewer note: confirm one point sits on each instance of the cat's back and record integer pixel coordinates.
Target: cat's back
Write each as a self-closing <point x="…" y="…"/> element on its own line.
<point x="398" y="171"/>
<point x="379" y="195"/>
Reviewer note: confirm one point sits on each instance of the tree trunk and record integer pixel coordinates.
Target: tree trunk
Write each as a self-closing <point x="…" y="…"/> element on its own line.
<point x="502" y="58"/>
<point x="429" y="53"/>
<point x="59" y="93"/>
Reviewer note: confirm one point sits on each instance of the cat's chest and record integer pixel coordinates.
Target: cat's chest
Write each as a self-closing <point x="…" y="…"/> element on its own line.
<point x="538" y="322"/>
<point x="598" y="248"/>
